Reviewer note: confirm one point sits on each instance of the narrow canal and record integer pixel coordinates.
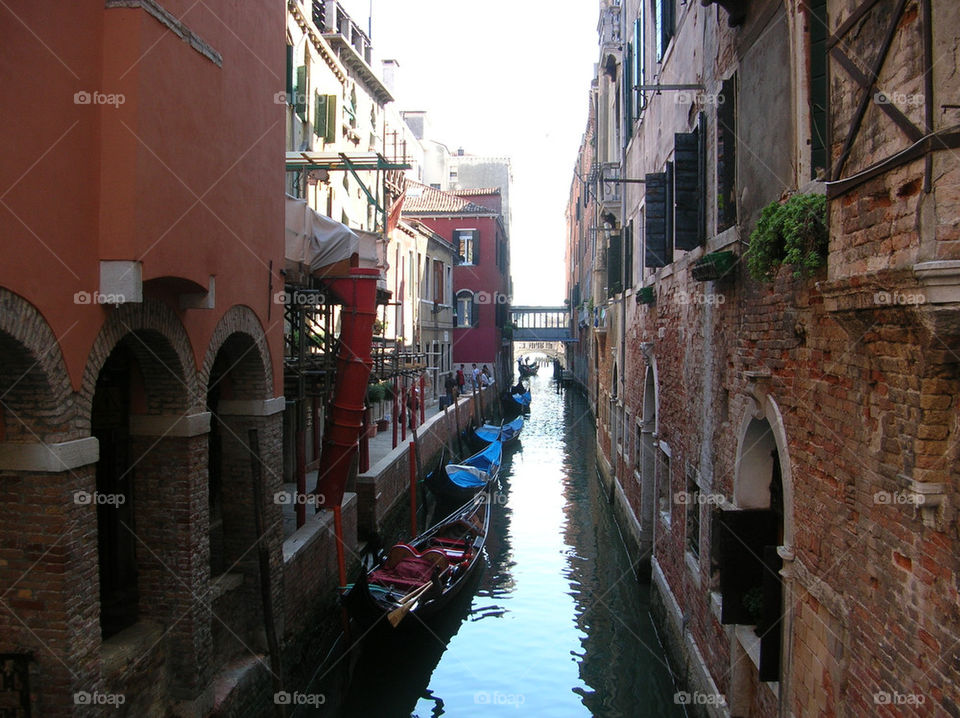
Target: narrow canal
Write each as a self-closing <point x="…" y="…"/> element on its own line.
<point x="555" y="623"/>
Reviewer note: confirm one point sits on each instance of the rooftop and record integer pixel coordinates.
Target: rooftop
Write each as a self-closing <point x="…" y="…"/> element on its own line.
<point x="423" y="199"/>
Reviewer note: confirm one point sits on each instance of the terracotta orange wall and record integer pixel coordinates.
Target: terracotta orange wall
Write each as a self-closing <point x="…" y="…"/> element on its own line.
<point x="123" y="183"/>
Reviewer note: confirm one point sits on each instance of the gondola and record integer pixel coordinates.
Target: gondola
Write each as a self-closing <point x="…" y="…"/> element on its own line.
<point x="514" y="404"/>
<point x="421" y="577"/>
<point x="458" y="482"/>
<point x="528" y="369"/>
<point x="506" y="433"/>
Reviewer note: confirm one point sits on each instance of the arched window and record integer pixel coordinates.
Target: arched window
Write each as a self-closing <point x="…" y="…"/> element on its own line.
<point x="467" y="315"/>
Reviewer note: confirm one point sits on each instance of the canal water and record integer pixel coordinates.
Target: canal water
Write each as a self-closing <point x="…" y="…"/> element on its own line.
<point x="555" y="622"/>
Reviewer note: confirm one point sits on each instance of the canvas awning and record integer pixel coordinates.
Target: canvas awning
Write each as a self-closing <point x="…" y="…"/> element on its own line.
<point x="315" y="241"/>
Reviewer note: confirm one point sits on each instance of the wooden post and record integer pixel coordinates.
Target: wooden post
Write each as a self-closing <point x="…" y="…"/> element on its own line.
<point x="412" y="450"/>
<point x="403" y="413"/>
<point x="263" y="551"/>
<point x="300" y="506"/>
<point x="423" y="399"/>
<point x="456" y="418"/>
<point x="393" y="416"/>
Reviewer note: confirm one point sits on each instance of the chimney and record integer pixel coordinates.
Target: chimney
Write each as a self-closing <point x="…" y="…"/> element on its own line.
<point x="390" y="70"/>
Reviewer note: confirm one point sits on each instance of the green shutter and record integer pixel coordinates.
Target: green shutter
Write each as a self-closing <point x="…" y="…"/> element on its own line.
<point x="689" y="190"/>
<point x="628" y="255"/>
<point x="330" y="126"/>
<point x="319" y="114"/>
<point x="638" y="60"/>
<point x="818" y="87"/>
<point x="655" y="220"/>
<point x="300" y="93"/>
<point x="628" y="94"/>
<point x="614" y="267"/>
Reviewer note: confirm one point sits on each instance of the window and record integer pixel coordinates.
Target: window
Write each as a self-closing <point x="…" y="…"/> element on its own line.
<point x="628" y="115"/>
<point x="639" y="63"/>
<point x="817" y="22"/>
<point x="657" y="220"/>
<point x="689" y="189"/>
<point x="438" y="295"/>
<point x="663" y="17"/>
<point x="325" y="117"/>
<point x="300" y="94"/>
<point x="466" y="310"/>
<point x="727" y="155"/>
<point x="291" y="75"/>
<point x="614" y="267"/>
<point x="448" y="291"/>
<point x="465" y="241"/>
<point x="664" y="500"/>
<point x="693" y="513"/>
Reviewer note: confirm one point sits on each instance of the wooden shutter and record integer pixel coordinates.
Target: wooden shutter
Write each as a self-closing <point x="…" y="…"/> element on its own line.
<point x="628" y="255"/>
<point x="289" y="86"/>
<point x="655" y="220"/>
<point x="628" y="94"/>
<point x="638" y="59"/>
<point x="727" y="155"/>
<point x="475" y="244"/>
<point x="770" y="628"/>
<point x="319" y="114"/>
<point x="818" y="86"/>
<point x="739" y="538"/>
<point x="689" y="190"/>
<point x="614" y="266"/>
<point x="300" y="95"/>
<point x="330" y="125"/>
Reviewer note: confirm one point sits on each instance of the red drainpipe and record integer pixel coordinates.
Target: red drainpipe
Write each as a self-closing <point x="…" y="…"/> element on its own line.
<point x="358" y="293"/>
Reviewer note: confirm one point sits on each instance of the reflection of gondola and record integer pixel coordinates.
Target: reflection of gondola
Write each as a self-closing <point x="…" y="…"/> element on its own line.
<point x="424" y="575"/>
<point x="458" y="482"/>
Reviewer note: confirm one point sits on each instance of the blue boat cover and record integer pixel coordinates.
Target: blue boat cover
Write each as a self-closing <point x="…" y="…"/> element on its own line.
<point x="490" y="432"/>
<point x="522" y="399"/>
<point x="476" y="471"/>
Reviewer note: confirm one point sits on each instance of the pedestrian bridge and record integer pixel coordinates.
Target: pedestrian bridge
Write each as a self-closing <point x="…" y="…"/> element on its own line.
<point x="541" y="324"/>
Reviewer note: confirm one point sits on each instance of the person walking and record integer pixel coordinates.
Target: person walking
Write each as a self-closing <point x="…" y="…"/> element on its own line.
<point x="476" y="377"/>
<point x="461" y="380"/>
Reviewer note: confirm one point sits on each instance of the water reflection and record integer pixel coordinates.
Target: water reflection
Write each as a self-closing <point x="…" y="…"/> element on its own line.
<point x="554" y="624"/>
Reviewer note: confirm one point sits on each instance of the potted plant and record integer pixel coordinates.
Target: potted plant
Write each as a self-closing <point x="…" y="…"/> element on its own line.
<point x="647" y="295"/>
<point x="715" y="265"/>
<point x="791" y="232"/>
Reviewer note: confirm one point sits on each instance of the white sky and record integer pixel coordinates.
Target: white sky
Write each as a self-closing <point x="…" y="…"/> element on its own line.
<point x="503" y="78"/>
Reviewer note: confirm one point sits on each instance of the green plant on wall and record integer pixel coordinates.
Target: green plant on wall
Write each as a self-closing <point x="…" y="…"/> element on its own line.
<point x="375" y="394"/>
<point x="793" y="232"/>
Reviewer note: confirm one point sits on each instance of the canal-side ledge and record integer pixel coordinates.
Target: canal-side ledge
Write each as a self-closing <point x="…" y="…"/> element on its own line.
<point x="686" y="661"/>
<point x="383" y="491"/>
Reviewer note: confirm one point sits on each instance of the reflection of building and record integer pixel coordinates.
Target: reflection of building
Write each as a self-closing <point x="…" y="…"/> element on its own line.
<point x="471" y="221"/>
<point x="783" y="447"/>
<point x="139" y="344"/>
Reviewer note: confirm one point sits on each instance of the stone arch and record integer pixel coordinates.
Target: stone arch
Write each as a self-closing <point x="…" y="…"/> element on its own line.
<point x="157" y="339"/>
<point x="760" y="429"/>
<point x="240" y="335"/>
<point x="36" y="399"/>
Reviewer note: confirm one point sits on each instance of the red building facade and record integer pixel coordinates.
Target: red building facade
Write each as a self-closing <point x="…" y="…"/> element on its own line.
<point x="472" y="221"/>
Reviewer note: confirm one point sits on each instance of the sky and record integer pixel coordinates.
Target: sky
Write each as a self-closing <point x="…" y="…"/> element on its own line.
<point x="502" y="78"/>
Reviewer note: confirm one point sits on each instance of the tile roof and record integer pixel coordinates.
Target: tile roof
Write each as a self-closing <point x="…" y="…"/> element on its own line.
<point x="476" y="192"/>
<point x="423" y="199"/>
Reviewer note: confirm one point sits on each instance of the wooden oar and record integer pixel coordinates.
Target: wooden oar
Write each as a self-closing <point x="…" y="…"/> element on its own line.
<point x="406" y="603"/>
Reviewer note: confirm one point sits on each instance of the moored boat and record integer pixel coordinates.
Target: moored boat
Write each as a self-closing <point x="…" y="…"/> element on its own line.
<point x="458" y="482"/>
<point x="422" y="576"/>
<point x="505" y="433"/>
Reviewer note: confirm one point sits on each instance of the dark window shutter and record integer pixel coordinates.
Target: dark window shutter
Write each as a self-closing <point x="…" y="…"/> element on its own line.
<point x="770" y="628"/>
<point x="655" y="220"/>
<point x="330" y="134"/>
<point x="289" y="86"/>
<point x="614" y="283"/>
<point x="727" y="155"/>
<point x="689" y="190"/>
<point x="669" y="20"/>
<point x="319" y="114"/>
<point x="628" y="94"/>
<point x="638" y="60"/>
<point x="818" y="86"/>
<point x="628" y="255"/>
<point x="300" y="95"/>
<point x="475" y="245"/>
<point x="740" y="537"/>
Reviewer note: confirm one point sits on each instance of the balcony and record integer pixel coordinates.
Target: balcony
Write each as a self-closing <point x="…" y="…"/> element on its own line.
<point x="610" y="186"/>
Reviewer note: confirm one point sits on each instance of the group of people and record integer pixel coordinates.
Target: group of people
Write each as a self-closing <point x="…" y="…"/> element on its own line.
<point x="455" y="384"/>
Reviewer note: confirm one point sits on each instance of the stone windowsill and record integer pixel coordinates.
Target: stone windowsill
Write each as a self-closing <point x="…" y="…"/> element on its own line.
<point x="132" y="644"/>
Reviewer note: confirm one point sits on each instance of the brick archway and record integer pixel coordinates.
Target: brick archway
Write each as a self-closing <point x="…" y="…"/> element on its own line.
<point x="239" y="333"/>
<point x="36" y="399"/>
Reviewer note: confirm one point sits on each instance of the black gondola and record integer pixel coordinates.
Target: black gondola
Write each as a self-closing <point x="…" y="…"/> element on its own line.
<point x="456" y="483"/>
<point x="423" y="576"/>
